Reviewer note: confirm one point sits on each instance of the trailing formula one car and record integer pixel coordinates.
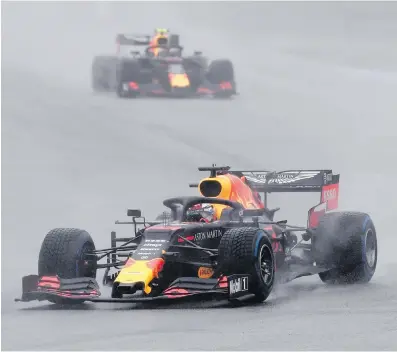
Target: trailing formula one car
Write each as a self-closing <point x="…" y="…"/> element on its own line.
<point x="161" y="70"/>
<point x="239" y="253"/>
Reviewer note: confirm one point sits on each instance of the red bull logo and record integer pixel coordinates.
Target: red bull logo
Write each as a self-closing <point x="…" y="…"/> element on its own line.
<point x="179" y="80"/>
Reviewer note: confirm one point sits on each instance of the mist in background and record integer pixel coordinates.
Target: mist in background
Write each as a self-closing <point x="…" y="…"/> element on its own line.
<point x="318" y="82"/>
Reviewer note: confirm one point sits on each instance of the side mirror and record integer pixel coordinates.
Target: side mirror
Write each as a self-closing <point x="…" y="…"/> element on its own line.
<point x="136" y="213"/>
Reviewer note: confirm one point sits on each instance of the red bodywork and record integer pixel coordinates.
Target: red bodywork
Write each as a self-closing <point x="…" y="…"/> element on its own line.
<point x="52" y="284"/>
<point x="329" y="201"/>
<point x="235" y="188"/>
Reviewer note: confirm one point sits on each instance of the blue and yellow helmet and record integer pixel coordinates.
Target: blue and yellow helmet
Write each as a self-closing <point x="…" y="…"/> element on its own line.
<point x="161" y="31"/>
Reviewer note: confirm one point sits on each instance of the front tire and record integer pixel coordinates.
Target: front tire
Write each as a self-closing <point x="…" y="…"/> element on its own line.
<point x="64" y="253"/>
<point x="127" y="71"/>
<point x="249" y="251"/>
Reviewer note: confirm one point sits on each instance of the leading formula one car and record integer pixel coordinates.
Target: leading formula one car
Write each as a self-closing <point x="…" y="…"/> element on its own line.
<point x="237" y="255"/>
<point x="161" y="70"/>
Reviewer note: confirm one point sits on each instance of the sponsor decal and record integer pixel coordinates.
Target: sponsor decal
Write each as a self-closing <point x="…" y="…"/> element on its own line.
<point x="237" y="285"/>
<point x="329" y="194"/>
<point x="293" y="176"/>
<point x="200" y="236"/>
<point x="329" y="177"/>
<point x="253" y="175"/>
<point x="205" y="273"/>
<point x="150" y="248"/>
<point x="280" y="178"/>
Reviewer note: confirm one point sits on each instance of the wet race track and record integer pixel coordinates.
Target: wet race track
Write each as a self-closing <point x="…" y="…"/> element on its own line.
<point x="318" y="85"/>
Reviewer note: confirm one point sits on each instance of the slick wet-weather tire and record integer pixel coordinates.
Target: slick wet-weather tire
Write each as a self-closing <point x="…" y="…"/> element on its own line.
<point x="248" y="251"/>
<point x="64" y="253"/>
<point x="346" y="243"/>
<point x="221" y="70"/>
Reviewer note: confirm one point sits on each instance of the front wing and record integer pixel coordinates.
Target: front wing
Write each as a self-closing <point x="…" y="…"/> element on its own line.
<point x="206" y="89"/>
<point x="59" y="290"/>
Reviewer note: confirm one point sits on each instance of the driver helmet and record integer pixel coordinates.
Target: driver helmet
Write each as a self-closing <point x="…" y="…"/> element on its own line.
<point x="201" y="213"/>
<point x="159" y="33"/>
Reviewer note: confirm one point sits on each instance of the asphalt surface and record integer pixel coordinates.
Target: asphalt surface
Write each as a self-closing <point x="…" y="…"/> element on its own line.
<point x="318" y="83"/>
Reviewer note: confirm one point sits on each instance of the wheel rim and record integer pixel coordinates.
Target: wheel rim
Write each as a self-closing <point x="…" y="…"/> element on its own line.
<point x="266" y="264"/>
<point x="370" y="248"/>
<point x="87" y="267"/>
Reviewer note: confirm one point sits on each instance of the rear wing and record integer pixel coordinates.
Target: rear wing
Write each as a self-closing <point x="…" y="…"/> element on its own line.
<point x="279" y="181"/>
<point x="133" y="39"/>
<point x="126" y="43"/>
<point x="322" y="181"/>
<point x="288" y="180"/>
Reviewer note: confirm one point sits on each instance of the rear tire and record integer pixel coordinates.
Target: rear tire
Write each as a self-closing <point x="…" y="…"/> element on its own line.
<point x="346" y="243"/>
<point x="248" y="250"/>
<point x="220" y="71"/>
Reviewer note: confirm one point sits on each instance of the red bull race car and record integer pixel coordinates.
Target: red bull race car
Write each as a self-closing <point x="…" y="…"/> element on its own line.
<point x="161" y="70"/>
<point x="223" y="244"/>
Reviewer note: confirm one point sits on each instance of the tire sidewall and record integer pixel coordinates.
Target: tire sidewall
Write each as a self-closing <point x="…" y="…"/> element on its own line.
<point x="368" y="229"/>
<point x="258" y="284"/>
<point x="86" y="245"/>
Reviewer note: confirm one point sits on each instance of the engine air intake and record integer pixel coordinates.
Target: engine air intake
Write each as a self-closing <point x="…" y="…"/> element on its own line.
<point x="210" y="188"/>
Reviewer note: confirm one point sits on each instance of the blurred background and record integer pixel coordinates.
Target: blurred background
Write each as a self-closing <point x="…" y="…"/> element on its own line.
<point x="317" y="81"/>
